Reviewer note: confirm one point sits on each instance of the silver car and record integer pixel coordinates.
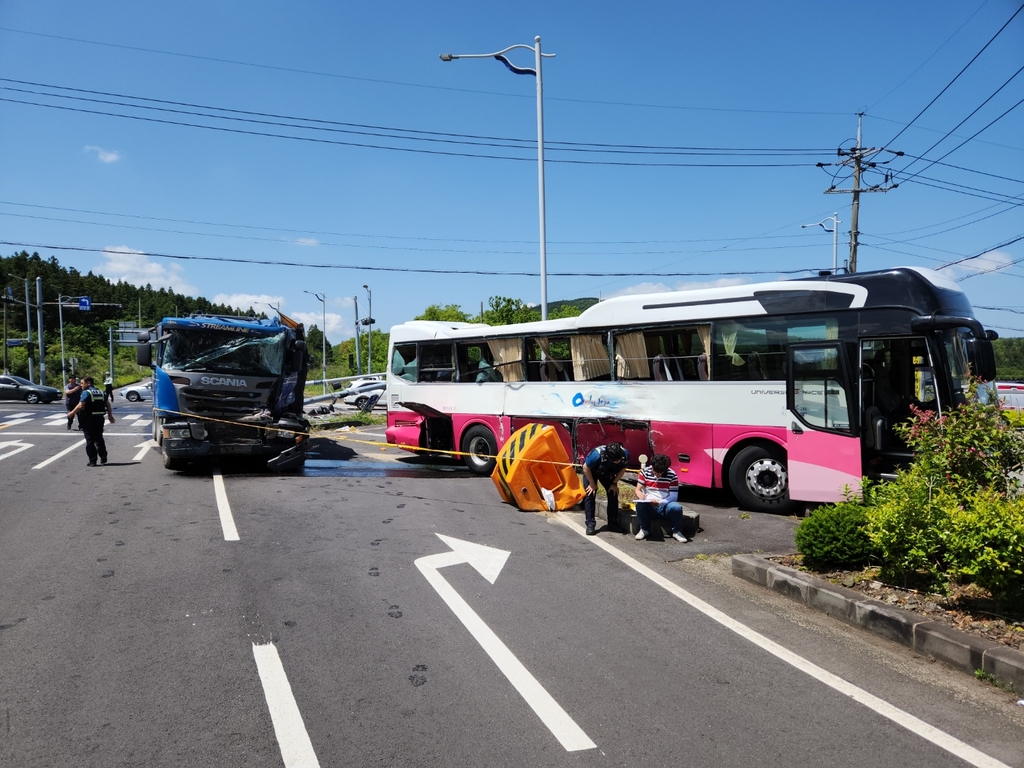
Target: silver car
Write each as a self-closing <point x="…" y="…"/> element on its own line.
<point x="137" y="392"/>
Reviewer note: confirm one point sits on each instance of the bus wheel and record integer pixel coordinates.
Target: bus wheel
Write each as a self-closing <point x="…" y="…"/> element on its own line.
<point x="479" y="443"/>
<point x="759" y="480"/>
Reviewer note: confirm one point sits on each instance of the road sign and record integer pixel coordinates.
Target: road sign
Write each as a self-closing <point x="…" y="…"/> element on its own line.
<point x="15" y="342"/>
<point x="488" y="562"/>
<point x="84" y="303"/>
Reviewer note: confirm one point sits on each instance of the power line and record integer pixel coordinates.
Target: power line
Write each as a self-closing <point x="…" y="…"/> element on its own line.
<point x="379" y="81"/>
<point x="957" y="77"/>
<point x="412" y="150"/>
<point x="412" y="270"/>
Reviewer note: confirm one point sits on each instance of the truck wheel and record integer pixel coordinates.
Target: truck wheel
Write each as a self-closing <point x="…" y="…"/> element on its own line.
<point x="479" y="444"/>
<point x="175" y="465"/>
<point x="759" y="480"/>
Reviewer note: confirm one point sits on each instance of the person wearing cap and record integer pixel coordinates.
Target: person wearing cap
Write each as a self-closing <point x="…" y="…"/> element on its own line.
<point x="92" y="405"/>
<point x="657" y="492"/>
<point x="605" y="464"/>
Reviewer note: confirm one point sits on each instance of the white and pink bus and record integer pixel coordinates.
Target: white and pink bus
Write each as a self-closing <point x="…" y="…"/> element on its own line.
<point x="782" y="391"/>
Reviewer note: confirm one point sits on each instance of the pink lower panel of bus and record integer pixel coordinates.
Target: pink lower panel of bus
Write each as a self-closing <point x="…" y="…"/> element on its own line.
<point x="687" y="445"/>
<point x="404" y="429"/>
<point x="499" y="426"/>
<point x="823" y="466"/>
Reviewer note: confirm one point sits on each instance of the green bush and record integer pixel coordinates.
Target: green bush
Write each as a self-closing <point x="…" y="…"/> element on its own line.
<point x="985" y="545"/>
<point x="835" y="536"/>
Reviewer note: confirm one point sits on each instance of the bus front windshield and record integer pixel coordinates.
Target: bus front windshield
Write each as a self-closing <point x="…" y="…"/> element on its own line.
<point x="220" y="351"/>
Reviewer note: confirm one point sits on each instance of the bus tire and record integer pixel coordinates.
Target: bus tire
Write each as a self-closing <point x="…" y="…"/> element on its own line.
<point x="479" y="445"/>
<point x="759" y="479"/>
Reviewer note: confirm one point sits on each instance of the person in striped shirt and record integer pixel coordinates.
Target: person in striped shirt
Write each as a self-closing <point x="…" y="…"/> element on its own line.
<point x="658" y="486"/>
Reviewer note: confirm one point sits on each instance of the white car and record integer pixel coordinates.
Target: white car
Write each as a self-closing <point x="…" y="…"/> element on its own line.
<point x="137" y="392"/>
<point x="360" y="391"/>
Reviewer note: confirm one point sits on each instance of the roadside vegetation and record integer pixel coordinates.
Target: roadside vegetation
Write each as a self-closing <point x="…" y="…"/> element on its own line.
<point x="952" y="520"/>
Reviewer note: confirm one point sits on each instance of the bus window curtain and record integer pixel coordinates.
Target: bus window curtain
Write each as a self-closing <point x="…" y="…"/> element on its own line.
<point x="508" y="354"/>
<point x="729" y="333"/>
<point x="589" y="357"/>
<point x="631" y="357"/>
<point x="704" y="371"/>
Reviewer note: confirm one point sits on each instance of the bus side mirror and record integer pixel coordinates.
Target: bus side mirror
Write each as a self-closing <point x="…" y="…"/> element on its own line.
<point x="144" y="352"/>
<point x="982" y="358"/>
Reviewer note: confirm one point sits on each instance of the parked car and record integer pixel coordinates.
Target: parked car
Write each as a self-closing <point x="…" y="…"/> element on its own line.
<point x="17" y="388"/>
<point x="137" y="392"/>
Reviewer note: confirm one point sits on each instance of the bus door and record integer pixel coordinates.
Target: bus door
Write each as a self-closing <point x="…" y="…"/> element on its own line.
<point x="824" y="450"/>
<point x="635" y="437"/>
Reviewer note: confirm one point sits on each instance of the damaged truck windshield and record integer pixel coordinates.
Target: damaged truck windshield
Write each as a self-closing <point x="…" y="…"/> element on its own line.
<point x="227" y="385"/>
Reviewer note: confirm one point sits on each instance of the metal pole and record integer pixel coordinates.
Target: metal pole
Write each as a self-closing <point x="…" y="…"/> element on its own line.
<point x="359" y="365"/>
<point x="323" y="345"/>
<point x="63" y="366"/>
<point x="855" y="213"/>
<point x="5" y="334"/>
<point x="369" y="331"/>
<point x="28" y="328"/>
<point x="42" y="343"/>
<point x="835" y="242"/>
<point x="540" y="186"/>
<point x="110" y="333"/>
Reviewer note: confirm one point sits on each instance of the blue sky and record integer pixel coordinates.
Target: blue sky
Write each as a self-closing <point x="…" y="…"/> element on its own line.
<point x="735" y="83"/>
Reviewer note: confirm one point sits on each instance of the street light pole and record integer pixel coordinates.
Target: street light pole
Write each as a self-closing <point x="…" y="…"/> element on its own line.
<point x="536" y="72"/>
<point x="369" y="329"/>
<point x="323" y="338"/>
<point x="834" y="218"/>
<point x="28" y="324"/>
<point x="359" y="365"/>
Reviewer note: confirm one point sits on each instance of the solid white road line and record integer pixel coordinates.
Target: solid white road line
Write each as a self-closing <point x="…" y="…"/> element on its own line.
<point x="63" y="453"/>
<point x="941" y="739"/>
<point x="296" y="748"/>
<point x="227" y="522"/>
<point x="73" y="434"/>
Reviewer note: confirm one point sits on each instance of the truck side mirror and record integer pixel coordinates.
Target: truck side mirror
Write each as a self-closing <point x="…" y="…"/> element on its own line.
<point x="144" y="352"/>
<point x="298" y="354"/>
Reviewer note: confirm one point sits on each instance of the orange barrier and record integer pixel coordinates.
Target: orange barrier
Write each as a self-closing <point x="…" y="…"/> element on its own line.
<point x="534" y="458"/>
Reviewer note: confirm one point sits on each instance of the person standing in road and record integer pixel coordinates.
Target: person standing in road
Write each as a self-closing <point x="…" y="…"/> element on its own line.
<point x="606" y="465"/>
<point x="108" y="387"/>
<point x="92" y="405"/>
<point x="72" y="394"/>
<point x="657" y="492"/>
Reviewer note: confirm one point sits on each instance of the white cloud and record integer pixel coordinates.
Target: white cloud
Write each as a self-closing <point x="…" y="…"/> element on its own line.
<point x="131" y="266"/>
<point x="337" y="330"/>
<point x="307" y="241"/>
<point x="989" y="262"/>
<point x="104" y="155"/>
<point x="242" y="301"/>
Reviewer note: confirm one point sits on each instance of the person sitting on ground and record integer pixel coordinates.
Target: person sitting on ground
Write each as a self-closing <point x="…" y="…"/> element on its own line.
<point x="658" y="486"/>
<point x="605" y="464"/>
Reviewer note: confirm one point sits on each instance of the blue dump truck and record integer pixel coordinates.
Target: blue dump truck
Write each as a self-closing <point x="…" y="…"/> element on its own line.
<point x="228" y="386"/>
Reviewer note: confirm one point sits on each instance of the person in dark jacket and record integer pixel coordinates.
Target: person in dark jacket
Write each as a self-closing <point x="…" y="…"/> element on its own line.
<point x="605" y="464"/>
<point x="72" y="394"/>
<point x="92" y="406"/>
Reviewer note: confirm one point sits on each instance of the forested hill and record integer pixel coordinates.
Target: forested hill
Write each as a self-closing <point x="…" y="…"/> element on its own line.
<point x="85" y="333"/>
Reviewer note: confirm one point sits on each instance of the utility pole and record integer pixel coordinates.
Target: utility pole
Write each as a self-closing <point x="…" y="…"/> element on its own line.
<point x="858" y="157"/>
<point x="359" y="365"/>
<point x="39" y="327"/>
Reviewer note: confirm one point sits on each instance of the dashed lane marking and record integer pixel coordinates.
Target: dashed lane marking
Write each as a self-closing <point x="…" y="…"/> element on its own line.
<point x="227" y="522"/>
<point x="63" y="453"/>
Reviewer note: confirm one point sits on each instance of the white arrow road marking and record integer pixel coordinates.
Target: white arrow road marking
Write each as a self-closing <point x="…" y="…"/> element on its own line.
<point x="145" y="446"/>
<point x="17" y="445"/>
<point x="488" y="561"/>
<point x="227" y="522"/>
<point x="941" y="739"/>
<point x="63" y="453"/>
<point x="296" y="748"/>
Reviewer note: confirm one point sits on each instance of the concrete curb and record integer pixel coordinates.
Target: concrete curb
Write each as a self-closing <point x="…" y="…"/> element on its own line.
<point x="960" y="650"/>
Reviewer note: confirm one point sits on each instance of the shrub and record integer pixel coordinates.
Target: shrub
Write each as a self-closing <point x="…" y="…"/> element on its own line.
<point x="835" y="536"/>
<point x="985" y="545"/>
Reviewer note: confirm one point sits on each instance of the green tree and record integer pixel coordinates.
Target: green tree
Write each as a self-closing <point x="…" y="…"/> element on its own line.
<point x="505" y="311"/>
<point x="449" y="313"/>
<point x="314" y="343"/>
